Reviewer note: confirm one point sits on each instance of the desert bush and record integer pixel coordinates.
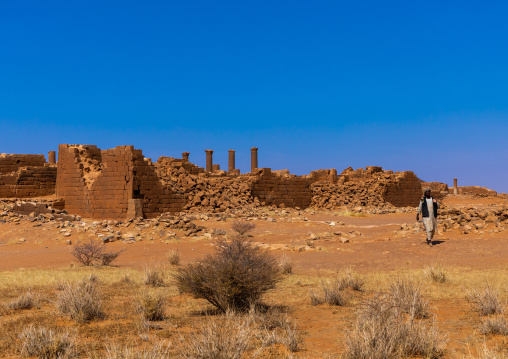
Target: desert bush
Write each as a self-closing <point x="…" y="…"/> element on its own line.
<point x="383" y="331"/>
<point x="242" y="228"/>
<point x="233" y="278"/>
<point x="286" y="264"/>
<point x="351" y="280"/>
<point x="329" y="292"/>
<point x="26" y="300"/>
<point x="151" y="305"/>
<point x="91" y="253"/>
<point x="46" y="344"/>
<point x="156" y="351"/>
<point x="494" y="325"/>
<point x="81" y="301"/>
<point x="485" y="301"/>
<point x="226" y="337"/>
<point x="154" y="277"/>
<point x="174" y="257"/>
<point x="276" y="328"/>
<point x="406" y="294"/>
<point x="436" y="273"/>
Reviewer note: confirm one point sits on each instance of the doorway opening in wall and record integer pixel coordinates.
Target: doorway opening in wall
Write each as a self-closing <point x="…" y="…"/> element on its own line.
<point x="136" y="194"/>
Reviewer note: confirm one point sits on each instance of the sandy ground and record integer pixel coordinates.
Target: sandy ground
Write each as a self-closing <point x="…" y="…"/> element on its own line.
<point x="375" y="245"/>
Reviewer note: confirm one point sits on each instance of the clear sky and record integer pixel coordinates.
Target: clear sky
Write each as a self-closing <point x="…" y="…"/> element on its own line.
<point x="406" y="85"/>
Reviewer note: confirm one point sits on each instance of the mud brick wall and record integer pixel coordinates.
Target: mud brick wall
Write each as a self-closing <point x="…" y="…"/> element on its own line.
<point x="166" y="165"/>
<point x="12" y="162"/>
<point x="99" y="184"/>
<point x="438" y="189"/>
<point x="477" y="190"/>
<point x="291" y="191"/>
<point x="404" y="191"/>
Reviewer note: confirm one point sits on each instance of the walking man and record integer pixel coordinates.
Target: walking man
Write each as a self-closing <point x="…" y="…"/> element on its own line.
<point x="428" y="208"/>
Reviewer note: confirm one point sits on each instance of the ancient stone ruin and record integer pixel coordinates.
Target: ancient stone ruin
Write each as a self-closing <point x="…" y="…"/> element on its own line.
<point x="121" y="183"/>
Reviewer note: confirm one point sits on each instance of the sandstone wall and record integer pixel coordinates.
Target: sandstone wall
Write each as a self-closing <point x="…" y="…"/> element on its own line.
<point x="292" y="191"/>
<point x="99" y="184"/>
<point x="24" y="176"/>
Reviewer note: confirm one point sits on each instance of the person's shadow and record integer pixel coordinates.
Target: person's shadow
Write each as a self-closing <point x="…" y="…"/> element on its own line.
<point x="437" y="242"/>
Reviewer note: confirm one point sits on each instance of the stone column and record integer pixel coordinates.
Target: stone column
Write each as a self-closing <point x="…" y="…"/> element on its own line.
<point x="231" y="164"/>
<point x="253" y="159"/>
<point x="209" y="161"/>
<point x="333" y="176"/>
<point x="135" y="208"/>
<point x="185" y="156"/>
<point x="455" y="188"/>
<point x="216" y="167"/>
<point x="52" y="157"/>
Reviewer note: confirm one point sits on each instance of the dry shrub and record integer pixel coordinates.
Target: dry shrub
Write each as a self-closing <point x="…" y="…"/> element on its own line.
<point x="81" y="301"/>
<point x="156" y="351"/>
<point x="174" y="257"/>
<point x="485" y="301"/>
<point x="226" y="337"/>
<point x="242" y="227"/>
<point x="26" y="300"/>
<point x="436" y="273"/>
<point x="330" y="292"/>
<point x="406" y="295"/>
<point x="46" y="344"/>
<point x="91" y="253"/>
<point x="286" y="264"/>
<point x="233" y="278"/>
<point x="494" y="325"/>
<point x="277" y="328"/>
<point x="382" y="331"/>
<point x="154" y="277"/>
<point x="151" y="305"/>
<point x="350" y="279"/>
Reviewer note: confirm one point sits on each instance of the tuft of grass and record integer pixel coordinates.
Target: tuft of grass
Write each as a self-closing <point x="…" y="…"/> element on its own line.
<point x="156" y="351"/>
<point x="174" y="257"/>
<point x="485" y="301"/>
<point x="350" y="279"/>
<point x="226" y="337"/>
<point x="46" y="344"/>
<point x="330" y="292"/>
<point x="286" y="264"/>
<point x="26" y="300"/>
<point x="436" y="273"/>
<point x="494" y="325"/>
<point x="154" y="277"/>
<point x="383" y="331"/>
<point x="81" y="301"/>
<point x="152" y="304"/>
<point x="406" y="294"/>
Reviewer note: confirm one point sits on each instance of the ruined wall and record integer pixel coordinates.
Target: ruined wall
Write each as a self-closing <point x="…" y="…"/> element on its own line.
<point x="26" y="176"/>
<point x="292" y="191"/>
<point x="99" y="184"/>
<point x="482" y="191"/>
<point x="405" y="190"/>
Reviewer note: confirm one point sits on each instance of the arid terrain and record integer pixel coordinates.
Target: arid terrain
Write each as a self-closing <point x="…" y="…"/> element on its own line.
<point x="470" y="253"/>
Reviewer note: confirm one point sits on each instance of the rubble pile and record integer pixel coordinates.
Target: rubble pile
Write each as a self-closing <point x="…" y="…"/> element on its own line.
<point x="471" y="219"/>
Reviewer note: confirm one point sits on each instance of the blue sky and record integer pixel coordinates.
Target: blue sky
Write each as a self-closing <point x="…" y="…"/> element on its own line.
<point x="408" y="85"/>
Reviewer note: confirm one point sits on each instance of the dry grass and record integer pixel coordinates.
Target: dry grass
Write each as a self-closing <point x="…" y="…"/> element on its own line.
<point x="81" y="301"/>
<point x="46" y="344"/>
<point x="436" y="273"/>
<point x="174" y="257"/>
<point x="329" y="292"/>
<point x="406" y="294"/>
<point x="285" y="264"/>
<point x="485" y="301"/>
<point x="156" y="351"/>
<point x="350" y="279"/>
<point x="26" y="300"/>
<point x="154" y="276"/>
<point x="383" y="331"/>
<point x="494" y="325"/>
<point x="152" y="304"/>
<point x="226" y="337"/>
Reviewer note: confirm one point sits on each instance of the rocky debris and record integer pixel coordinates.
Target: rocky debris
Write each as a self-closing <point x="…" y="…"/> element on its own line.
<point x="470" y="219"/>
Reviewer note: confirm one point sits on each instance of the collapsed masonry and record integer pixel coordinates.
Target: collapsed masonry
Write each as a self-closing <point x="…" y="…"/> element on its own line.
<point x="120" y="183"/>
